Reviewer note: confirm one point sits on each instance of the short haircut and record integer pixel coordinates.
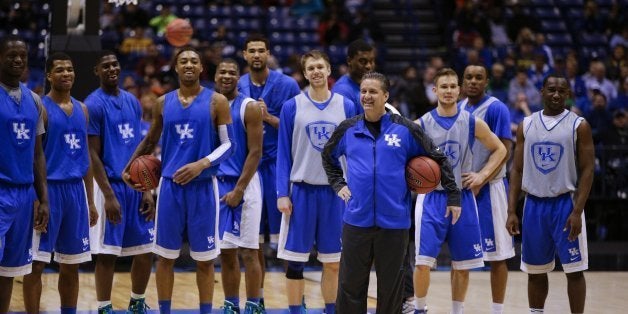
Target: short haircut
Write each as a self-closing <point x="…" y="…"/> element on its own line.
<point x="56" y="56"/>
<point x="357" y="46"/>
<point x="557" y="76"/>
<point x="103" y="54"/>
<point x="444" y="72"/>
<point x="4" y="43"/>
<point x="314" y="54"/>
<point x="230" y="61"/>
<point x="184" y="49"/>
<point x="256" y="37"/>
<point x="486" y="72"/>
<point x="384" y="82"/>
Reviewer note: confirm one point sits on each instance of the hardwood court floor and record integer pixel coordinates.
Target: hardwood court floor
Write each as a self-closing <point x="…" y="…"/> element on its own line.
<point x="606" y="293"/>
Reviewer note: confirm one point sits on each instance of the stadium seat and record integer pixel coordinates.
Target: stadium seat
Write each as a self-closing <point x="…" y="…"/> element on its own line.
<point x="593" y="39"/>
<point x="541" y="3"/>
<point x="553" y="26"/>
<point x="558" y="39"/>
<point x="569" y="3"/>
<point x="547" y="13"/>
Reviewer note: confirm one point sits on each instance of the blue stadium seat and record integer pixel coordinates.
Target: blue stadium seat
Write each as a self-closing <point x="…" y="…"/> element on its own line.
<point x="282" y="38"/>
<point x="199" y="23"/>
<point x="575" y="14"/>
<point x="337" y="53"/>
<point x="307" y="38"/>
<point x="215" y="22"/>
<point x="553" y="26"/>
<point x="541" y="3"/>
<point x="278" y="12"/>
<point x="558" y="39"/>
<point x="547" y="13"/>
<point x="306" y="24"/>
<point x="593" y="39"/>
<point x="569" y="3"/>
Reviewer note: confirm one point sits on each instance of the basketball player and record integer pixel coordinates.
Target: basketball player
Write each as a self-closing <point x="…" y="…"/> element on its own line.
<point x="23" y="167"/>
<point x="240" y="194"/>
<point x="553" y="163"/>
<point x="195" y="126"/>
<point x="491" y="199"/>
<point x="455" y="132"/>
<point x="69" y="183"/>
<point x="126" y="226"/>
<point x="272" y="89"/>
<point x="377" y="145"/>
<point x="312" y="214"/>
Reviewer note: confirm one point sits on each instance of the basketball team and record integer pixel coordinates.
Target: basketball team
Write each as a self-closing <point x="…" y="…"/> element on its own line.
<point x="319" y="169"/>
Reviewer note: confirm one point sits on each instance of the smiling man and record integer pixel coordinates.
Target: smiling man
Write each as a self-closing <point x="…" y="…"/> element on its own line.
<point x="553" y="163"/>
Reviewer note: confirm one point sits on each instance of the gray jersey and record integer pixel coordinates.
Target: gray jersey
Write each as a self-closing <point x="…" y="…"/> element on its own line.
<point x="480" y="153"/>
<point x="549" y="155"/>
<point x="312" y="129"/>
<point x="455" y="138"/>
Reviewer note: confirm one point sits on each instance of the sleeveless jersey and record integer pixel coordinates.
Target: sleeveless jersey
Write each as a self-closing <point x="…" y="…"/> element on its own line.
<point x="233" y="165"/>
<point x="480" y="153"/>
<point x="312" y="129"/>
<point x="188" y="133"/>
<point x="549" y="155"/>
<point x="455" y="136"/>
<point x="65" y="143"/>
<point x="18" y="140"/>
<point x="116" y="119"/>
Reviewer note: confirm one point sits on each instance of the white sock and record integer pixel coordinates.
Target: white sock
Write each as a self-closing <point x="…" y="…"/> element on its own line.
<point x="457" y="307"/>
<point x="535" y="311"/>
<point x="420" y="303"/>
<point x="102" y="304"/>
<point x="137" y="296"/>
<point x="261" y="293"/>
<point x="497" y="308"/>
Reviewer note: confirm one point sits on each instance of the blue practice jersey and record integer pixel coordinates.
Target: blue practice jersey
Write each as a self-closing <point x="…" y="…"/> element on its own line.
<point x="65" y="143"/>
<point x="189" y="133"/>
<point x="275" y="92"/>
<point x="234" y="165"/>
<point x="116" y="120"/>
<point x="347" y="87"/>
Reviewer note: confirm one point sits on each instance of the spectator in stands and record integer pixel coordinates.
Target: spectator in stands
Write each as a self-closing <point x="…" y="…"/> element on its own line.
<point x="615" y="62"/>
<point x="365" y="27"/>
<point x="541" y="46"/>
<point x="498" y="83"/>
<point x="520" y="110"/>
<point x="525" y="53"/>
<point x="211" y="57"/>
<point x="428" y="81"/>
<point x="470" y="24"/>
<point x="496" y="22"/>
<point x="621" y="102"/>
<point x="161" y="21"/>
<point x="620" y="38"/>
<point x="593" y="22"/>
<point x="539" y="70"/>
<point x="332" y="30"/>
<point x="134" y="16"/>
<point x="597" y="80"/>
<point x="436" y="62"/>
<point x="615" y="141"/>
<point x="521" y="84"/>
<point x="559" y="65"/>
<point x="137" y="43"/>
<point x="519" y="20"/>
<point x="617" y="133"/>
<point x="410" y="93"/>
<point x="222" y="39"/>
<point x="485" y="54"/>
<point x="151" y="64"/>
<point x="599" y="117"/>
<point x="23" y="16"/>
<point x="578" y="87"/>
<point x="108" y="17"/>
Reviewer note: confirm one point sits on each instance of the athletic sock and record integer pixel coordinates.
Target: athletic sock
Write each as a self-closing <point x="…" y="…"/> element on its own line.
<point x="205" y="308"/>
<point x="164" y="306"/>
<point x="497" y="308"/>
<point x="457" y="307"/>
<point x="330" y="308"/>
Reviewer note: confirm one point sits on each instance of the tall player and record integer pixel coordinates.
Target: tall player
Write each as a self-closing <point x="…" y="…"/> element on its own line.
<point x="491" y="199"/>
<point x="454" y="131"/>
<point x="195" y="126"/>
<point x="272" y="89"/>
<point x="126" y="226"/>
<point x="240" y="194"/>
<point x="70" y="187"/>
<point x="553" y="162"/>
<point x="361" y="60"/>
<point x="23" y="166"/>
<point x="312" y="214"/>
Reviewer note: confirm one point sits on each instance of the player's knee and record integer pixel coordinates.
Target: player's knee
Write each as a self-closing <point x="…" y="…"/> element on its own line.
<point x="295" y="270"/>
<point x="331" y="267"/>
<point x="575" y="276"/>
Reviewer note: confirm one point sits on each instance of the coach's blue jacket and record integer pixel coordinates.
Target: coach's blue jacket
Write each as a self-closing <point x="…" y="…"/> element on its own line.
<point x="376" y="169"/>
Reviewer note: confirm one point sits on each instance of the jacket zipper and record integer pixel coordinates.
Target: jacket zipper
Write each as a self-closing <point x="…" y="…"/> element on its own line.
<point x="374" y="180"/>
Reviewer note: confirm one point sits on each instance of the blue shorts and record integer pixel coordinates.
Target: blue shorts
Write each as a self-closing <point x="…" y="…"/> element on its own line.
<point x="542" y="236"/>
<point x="133" y="235"/>
<point x="492" y="201"/>
<point x="68" y="225"/>
<point x="16" y="229"/>
<point x="316" y="218"/>
<point x="188" y="211"/>
<point x="433" y="229"/>
<point x="271" y="216"/>
<point x="239" y="226"/>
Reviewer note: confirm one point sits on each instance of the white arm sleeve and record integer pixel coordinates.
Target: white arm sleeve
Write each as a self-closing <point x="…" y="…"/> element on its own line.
<point x="224" y="150"/>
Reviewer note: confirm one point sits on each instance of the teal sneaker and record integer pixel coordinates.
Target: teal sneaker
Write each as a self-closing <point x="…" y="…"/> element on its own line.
<point x="230" y="308"/>
<point x="253" y="308"/>
<point x="261" y="306"/>
<point x="137" y="306"/>
<point x="108" y="309"/>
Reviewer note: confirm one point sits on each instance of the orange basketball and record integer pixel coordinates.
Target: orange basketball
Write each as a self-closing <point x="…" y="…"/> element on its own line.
<point x="422" y="174"/>
<point x="145" y="170"/>
<point x="179" y="32"/>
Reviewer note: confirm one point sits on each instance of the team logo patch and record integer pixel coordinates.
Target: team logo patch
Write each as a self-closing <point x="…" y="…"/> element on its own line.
<point x="452" y="150"/>
<point x="546" y="156"/>
<point x="126" y="131"/>
<point x="74" y="142"/>
<point x="392" y="140"/>
<point x="184" y="131"/>
<point x="22" y="132"/>
<point x="319" y="133"/>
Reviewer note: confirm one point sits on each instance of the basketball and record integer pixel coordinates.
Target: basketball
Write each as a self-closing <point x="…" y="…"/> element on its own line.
<point x="179" y="32"/>
<point x="422" y="174"/>
<point x="146" y="170"/>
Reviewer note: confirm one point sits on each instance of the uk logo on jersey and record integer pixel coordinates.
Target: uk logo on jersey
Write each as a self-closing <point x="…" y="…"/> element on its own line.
<point x="126" y="131"/>
<point x="489" y="244"/>
<point x="184" y="131"/>
<point x="22" y="132"/>
<point x="392" y="140"/>
<point x="547" y="156"/>
<point x="85" y="244"/>
<point x="574" y="254"/>
<point x="211" y="242"/>
<point x="319" y="133"/>
<point x="452" y="150"/>
<point x="74" y="141"/>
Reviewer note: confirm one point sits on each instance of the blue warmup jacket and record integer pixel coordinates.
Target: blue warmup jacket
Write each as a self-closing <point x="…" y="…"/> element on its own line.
<point x="376" y="169"/>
